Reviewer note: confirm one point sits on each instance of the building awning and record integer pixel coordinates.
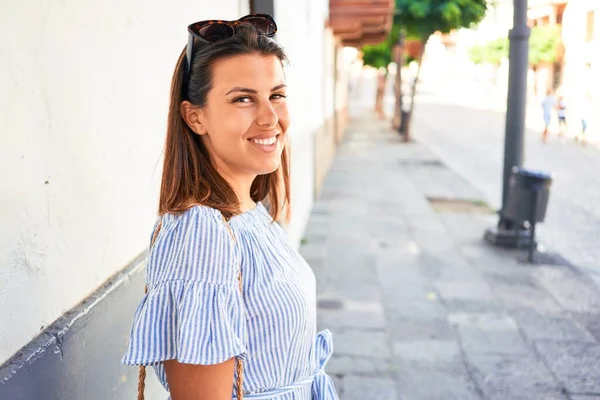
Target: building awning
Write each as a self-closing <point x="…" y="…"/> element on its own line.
<point x="360" y="22"/>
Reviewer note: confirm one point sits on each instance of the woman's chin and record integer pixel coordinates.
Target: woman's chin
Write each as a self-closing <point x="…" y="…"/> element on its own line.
<point x="268" y="167"/>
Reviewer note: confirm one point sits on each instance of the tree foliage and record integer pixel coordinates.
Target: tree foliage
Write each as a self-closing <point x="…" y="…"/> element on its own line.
<point x="422" y="18"/>
<point x="543" y="46"/>
<point x="491" y="53"/>
<point x="380" y="55"/>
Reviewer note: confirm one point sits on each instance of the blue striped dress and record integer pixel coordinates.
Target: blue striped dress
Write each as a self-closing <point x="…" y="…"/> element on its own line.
<point x="194" y="312"/>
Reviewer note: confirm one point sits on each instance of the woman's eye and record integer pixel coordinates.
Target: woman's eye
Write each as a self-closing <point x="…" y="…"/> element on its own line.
<point x="278" y="96"/>
<point x="243" y="99"/>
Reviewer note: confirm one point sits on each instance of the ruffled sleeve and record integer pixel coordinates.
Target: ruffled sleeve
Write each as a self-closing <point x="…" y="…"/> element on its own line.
<point x="193" y="311"/>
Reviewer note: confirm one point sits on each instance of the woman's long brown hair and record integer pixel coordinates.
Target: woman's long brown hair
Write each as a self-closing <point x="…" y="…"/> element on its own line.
<point x="189" y="178"/>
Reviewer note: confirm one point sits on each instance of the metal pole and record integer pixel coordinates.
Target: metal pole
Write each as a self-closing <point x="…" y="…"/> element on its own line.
<point x="400" y="62"/>
<point x="506" y="233"/>
<point x="517" y="94"/>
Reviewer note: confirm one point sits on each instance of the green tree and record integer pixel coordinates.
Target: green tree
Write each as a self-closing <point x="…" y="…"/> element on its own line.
<point x="543" y="47"/>
<point x="492" y="52"/>
<point x="379" y="56"/>
<point x="422" y="18"/>
<point x="543" y="44"/>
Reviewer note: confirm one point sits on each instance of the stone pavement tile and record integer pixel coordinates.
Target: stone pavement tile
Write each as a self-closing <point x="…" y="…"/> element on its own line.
<point x="526" y="296"/>
<point x="348" y="205"/>
<point x="465" y="227"/>
<point x="398" y="254"/>
<point x="348" y="274"/>
<point x="446" y="272"/>
<point x="419" y="208"/>
<point x="411" y="329"/>
<point x="397" y="308"/>
<point x="475" y="290"/>
<point x="449" y="271"/>
<point x="363" y="388"/>
<point x="537" y="326"/>
<point x="431" y="224"/>
<point x="354" y="252"/>
<point x="386" y="226"/>
<point x="574" y="364"/>
<point x="447" y="265"/>
<point x="380" y="206"/>
<point x="485" y="342"/>
<point x="486" y="258"/>
<point x="434" y="242"/>
<point x="448" y="255"/>
<point x="365" y="366"/>
<point x="353" y="314"/>
<point x="357" y="342"/>
<point x="423" y="384"/>
<point x="585" y="397"/>
<point x="474" y="306"/>
<point x="397" y="265"/>
<point x="526" y="395"/>
<point x="571" y="291"/>
<point x="349" y="292"/>
<point x="313" y="250"/>
<point x="510" y="276"/>
<point x="508" y="376"/>
<point x="485" y="322"/>
<point x="433" y="353"/>
<point x="403" y="283"/>
<point x="591" y="322"/>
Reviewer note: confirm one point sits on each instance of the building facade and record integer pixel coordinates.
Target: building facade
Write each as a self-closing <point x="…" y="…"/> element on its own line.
<point x="581" y="76"/>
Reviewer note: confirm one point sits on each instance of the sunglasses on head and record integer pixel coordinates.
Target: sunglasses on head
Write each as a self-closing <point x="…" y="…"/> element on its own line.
<point x="212" y="31"/>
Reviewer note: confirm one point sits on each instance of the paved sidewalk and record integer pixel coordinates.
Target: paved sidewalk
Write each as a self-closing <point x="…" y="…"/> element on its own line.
<point x="420" y="306"/>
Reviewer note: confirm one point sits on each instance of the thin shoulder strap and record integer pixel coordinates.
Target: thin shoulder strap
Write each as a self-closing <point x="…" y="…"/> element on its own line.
<point x="239" y="365"/>
<point x="142" y="372"/>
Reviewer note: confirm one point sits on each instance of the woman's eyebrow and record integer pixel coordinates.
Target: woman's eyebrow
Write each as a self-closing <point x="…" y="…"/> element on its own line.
<point x="279" y="87"/>
<point x="248" y="90"/>
<point x="242" y="89"/>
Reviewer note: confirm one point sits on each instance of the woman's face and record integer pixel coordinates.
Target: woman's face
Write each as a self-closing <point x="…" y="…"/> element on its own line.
<point x="245" y="120"/>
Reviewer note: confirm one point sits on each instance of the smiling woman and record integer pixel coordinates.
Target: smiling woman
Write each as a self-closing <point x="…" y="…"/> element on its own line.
<point x="230" y="308"/>
<point x="246" y="111"/>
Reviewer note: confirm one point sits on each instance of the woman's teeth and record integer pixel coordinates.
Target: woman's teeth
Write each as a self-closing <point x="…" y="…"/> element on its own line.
<point x="265" y="142"/>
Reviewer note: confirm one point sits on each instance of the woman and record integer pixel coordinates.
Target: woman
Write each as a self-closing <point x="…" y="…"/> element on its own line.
<point x="224" y="284"/>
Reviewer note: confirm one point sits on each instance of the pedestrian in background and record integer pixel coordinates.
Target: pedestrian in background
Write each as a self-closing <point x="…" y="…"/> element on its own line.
<point x="548" y="105"/>
<point x="584" y="113"/>
<point x="561" y="113"/>
<point x="230" y="308"/>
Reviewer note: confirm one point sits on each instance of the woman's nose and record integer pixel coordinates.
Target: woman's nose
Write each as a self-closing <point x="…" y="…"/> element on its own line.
<point x="267" y="116"/>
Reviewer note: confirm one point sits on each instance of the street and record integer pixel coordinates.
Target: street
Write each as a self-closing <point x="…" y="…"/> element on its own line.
<point x="471" y="141"/>
<point x="419" y="305"/>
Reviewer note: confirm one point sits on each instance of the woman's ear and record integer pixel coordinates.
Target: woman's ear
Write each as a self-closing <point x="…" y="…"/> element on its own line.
<point x="193" y="117"/>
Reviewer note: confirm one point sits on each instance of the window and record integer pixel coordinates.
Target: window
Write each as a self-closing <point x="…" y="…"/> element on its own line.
<point x="589" y="31"/>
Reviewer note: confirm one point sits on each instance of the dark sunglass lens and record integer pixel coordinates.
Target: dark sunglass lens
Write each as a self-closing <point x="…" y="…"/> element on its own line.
<point x="216" y="32"/>
<point x="262" y="25"/>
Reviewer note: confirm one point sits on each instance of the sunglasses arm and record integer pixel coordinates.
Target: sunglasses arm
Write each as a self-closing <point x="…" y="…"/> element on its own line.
<point x="190" y="49"/>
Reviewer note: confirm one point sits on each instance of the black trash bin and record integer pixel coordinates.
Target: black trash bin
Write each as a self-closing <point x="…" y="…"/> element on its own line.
<point x="528" y="194"/>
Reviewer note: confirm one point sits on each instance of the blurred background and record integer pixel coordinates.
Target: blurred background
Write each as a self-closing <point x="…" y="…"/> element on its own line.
<point x="408" y="119"/>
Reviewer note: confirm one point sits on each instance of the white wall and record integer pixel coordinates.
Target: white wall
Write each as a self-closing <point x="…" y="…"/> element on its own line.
<point x="85" y="90"/>
<point x="582" y="61"/>
<point x="301" y="31"/>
